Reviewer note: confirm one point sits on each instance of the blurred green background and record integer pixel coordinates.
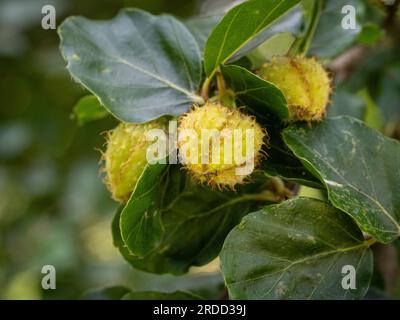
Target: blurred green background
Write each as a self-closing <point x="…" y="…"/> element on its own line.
<point x="54" y="208"/>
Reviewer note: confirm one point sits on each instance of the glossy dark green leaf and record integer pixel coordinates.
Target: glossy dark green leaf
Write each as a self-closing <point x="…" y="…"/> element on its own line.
<point x="290" y="23"/>
<point x="89" y="109"/>
<point x="331" y="38"/>
<point x="359" y="167"/>
<point x="140" y="66"/>
<point x="281" y="162"/>
<point x="260" y="96"/>
<point x="239" y="26"/>
<point x="295" y="250"/>
<point x="154" y="263"/>
<point x="171" y="223"/>
<point x="152" y="295"/>
<point x="139" y="231"/>
<point x="243" y="62"/>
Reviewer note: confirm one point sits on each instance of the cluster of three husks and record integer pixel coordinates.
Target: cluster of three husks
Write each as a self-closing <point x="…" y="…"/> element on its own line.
<point x="306" y="87"/>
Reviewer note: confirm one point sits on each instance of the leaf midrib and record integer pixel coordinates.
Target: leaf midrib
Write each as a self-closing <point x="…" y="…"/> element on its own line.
<point x="296" y="262"/>
<point x="167" y="82"/>
<point x="258" y="29"/>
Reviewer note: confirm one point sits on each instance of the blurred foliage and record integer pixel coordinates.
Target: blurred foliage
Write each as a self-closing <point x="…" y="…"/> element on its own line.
<point x="48" y="162"/>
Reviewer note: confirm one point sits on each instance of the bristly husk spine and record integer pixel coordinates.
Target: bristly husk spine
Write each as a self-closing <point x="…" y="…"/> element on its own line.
<point x="215" y="116"/>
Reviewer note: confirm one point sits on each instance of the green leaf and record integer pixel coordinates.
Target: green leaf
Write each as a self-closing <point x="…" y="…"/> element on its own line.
<point x="238" y="27"/>
<point x="359" y="167"/>
<point x="89" y="109"/>
<point x="295" y="250"/>
<point x="201" y="27"/>
<point x="139" y="232"/>
<point x="140" y="66"/>
<point x="261" y="97"/>
<point x="171" y="223"/>
<point x="111" y="293"/>
<point x="243" y="62"/>
<point x="152" y="295"/>
<point x="331" y="38"/>
<point x="281" y="162"/>
<point x="291" y="22"/>
<point x="154" y="264"/>
<point x="312" y="14"/>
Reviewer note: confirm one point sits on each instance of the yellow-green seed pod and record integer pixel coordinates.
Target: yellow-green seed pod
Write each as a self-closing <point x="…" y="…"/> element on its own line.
<point x="239" y="137"/>
<point x="125" y="156"/>
<point x="304" y="83"/>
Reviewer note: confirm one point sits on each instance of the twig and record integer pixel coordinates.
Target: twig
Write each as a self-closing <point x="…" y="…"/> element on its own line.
<point x="345" y="63"/>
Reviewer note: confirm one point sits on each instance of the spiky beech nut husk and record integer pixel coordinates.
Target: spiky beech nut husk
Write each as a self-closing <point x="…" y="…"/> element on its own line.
<point x="222" y="172"/>
<point x="304" y="83"/>
<point x="125" y="156"/>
